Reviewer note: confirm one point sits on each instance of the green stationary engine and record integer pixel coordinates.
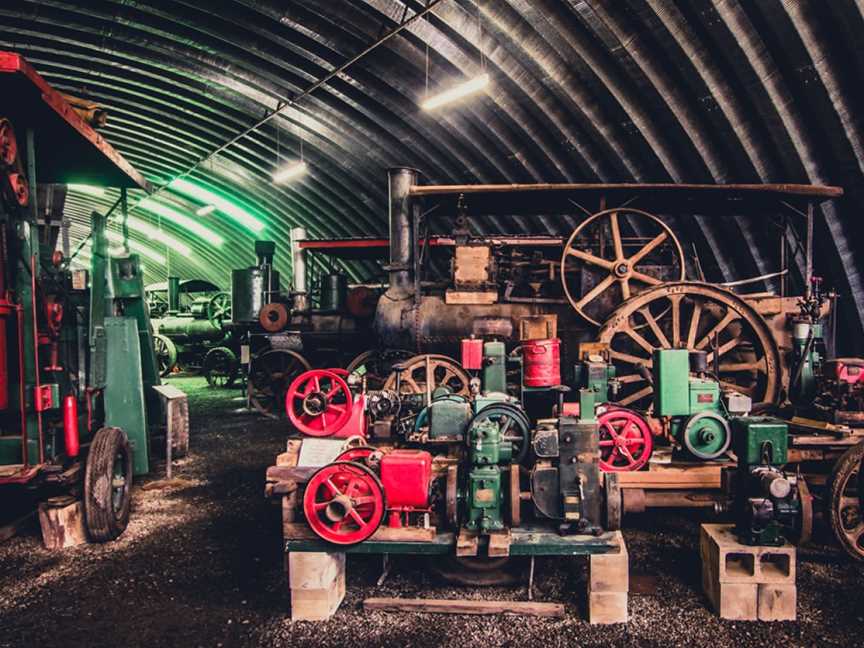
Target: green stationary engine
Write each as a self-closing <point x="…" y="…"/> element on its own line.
<point x="689" y="402"/>
<point x="766" y="503"/>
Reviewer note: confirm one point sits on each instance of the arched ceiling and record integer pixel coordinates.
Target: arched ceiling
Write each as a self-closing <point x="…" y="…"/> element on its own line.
<point x="582" y="90"/>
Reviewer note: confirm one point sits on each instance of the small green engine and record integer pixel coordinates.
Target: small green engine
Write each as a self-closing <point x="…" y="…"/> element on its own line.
<point x="766" y="503"/>
<point x="487" y="450"/>
<point x="692" y="403"/>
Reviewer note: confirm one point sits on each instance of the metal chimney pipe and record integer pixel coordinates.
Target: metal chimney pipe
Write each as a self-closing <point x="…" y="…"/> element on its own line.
<point x="400" y="180"/>
<point x="300" y="293"/>
<point x="173" y="294"/>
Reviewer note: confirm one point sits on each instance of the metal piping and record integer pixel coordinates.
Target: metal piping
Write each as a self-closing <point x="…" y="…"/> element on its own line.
<point x="300" y="293"/>
<point x="399" y="182"/>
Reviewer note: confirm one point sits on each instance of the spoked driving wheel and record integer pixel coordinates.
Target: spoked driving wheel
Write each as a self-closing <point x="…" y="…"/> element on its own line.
<point x="344" y="503"/>
<point x="615" y="254"/>
<point x="166" y="354"/>
<point x="626" y="442"/>
<point x="375" y="365"/>
<point x="847" y="519"/>
<point x="220" y="367"/>
<point x="219" y="309"/>
<point x="694" y="316"/>
<point x="269" y="376"/>
<point x="432" y="370"/>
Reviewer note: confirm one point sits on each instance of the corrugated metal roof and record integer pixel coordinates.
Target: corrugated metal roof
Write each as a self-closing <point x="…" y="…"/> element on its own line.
<point x="582" y="90"/>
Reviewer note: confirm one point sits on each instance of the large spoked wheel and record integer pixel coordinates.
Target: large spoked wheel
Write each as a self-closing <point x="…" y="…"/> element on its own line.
<point x="219" y="309"/>
<point x="166" y="354"/>
<point x="269" y="376"/>
<point x="433" y="370"/>
<point x="157" y="304"/>
<point x="695" y="316"/>
<point x="344" y="503"/>
<point x="108" y="484"/>
<point x="318" y="403"/>
<point x="220" y="367"/>
<point x="847" y="518"/>
<point x="614" y="255"/>
<point x="513" y="425"/>
<point x="626" y="442"/>
<point x="376" y="365"/>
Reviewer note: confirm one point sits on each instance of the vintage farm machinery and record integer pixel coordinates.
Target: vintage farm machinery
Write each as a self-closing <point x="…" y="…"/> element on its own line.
<point x="78" y="377"/>
<point x="193" y="335"/>
<point x="672" y="366"/>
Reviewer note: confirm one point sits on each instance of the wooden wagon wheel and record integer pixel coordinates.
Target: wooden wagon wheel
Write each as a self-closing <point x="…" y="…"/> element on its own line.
<point x="269" y="376"/>
<point x="376" y="365"/>
<point x="695" y="316"/>
<point x="615" y="268"/>
<point x="433" y="370"/>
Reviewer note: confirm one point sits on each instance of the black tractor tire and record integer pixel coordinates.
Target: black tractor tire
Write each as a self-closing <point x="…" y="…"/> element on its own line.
<point x="108" y="485"/>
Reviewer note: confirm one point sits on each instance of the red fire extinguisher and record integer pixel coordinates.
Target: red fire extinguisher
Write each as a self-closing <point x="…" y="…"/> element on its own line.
<point x="70" y="426"/>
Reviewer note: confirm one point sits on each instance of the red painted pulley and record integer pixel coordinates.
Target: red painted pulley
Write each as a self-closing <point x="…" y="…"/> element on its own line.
<point x="626" y="442"/>
<point x="344" y="503"/>
<point x="360" y="455"/>
<point x="318" y="403"/>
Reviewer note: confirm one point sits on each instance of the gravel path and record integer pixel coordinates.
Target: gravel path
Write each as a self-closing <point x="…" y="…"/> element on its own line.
<point x="200" y="565"/>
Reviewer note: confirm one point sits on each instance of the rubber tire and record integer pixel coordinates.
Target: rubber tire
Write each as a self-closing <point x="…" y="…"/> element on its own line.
<point x="848" y="463"/>
<point x="102" y="522"/>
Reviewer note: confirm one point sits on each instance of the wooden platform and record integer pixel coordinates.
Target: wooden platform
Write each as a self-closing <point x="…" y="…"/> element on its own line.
<point x="745" y="582"/>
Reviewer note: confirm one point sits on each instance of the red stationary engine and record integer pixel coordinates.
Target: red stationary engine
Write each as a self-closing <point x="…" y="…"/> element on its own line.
<point x="840" y="392"/>
<point x="345" y="501"/>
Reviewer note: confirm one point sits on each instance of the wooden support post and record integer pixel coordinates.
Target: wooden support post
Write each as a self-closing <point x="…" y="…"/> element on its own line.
<point x="317" y="582"/>
<point x="609" y="585"/>
<point x="745" y="582"/>
<point x="62" y="522"/>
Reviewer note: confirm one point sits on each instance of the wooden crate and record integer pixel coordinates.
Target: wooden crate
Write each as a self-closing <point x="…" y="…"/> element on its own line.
<point x="745" y="582"/>
<point x="317" y="582"/>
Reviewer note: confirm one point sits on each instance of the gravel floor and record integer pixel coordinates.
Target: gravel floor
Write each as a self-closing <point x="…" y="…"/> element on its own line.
<point x="200" y="565"/>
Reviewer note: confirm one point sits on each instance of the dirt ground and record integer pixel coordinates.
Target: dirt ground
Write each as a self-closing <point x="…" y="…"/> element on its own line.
<point x="201" y="565"/>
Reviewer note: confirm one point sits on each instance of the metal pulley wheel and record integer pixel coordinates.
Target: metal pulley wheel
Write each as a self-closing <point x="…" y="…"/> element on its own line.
<point x="318" y="403"/>
<point x="614" y="255"/>
<point x="273" y="317"/>
<point x="427" y="372"/>
<point x="845" y="511"/>
<point x="344" y="503"/>
<point x="513" y="424"/>
<point x="358" y="455"/>
<point x="375" y="365"/>
<point x="452" y="497"/>
<point x="270" y="373"/>
<point x="695" y="316"/>
<point x="166" y="354"/>
<point x="626" y="442"/>
<point x="706" y="435"/>
<point x="219" y="309"/>
<point x="220" y="367"/>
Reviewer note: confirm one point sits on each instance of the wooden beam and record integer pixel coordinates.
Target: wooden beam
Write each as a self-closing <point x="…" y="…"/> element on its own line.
<point x="463" y="606"/>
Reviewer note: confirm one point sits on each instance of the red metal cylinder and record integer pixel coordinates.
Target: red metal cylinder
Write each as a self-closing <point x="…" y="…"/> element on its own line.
<point x="70" y="426"/>
<point x="541" y="362"/>
<point x="472" y="354"/>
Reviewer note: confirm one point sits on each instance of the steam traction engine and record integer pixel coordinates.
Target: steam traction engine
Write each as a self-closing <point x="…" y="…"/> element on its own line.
<point x="77" y="372"/>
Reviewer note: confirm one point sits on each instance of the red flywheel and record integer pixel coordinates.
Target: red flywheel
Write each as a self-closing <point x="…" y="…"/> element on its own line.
<point x="626" y="442"/>
<point x="318" y="402"/>
<point x="356" y="454"/>
<point x="344" y="503"/>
